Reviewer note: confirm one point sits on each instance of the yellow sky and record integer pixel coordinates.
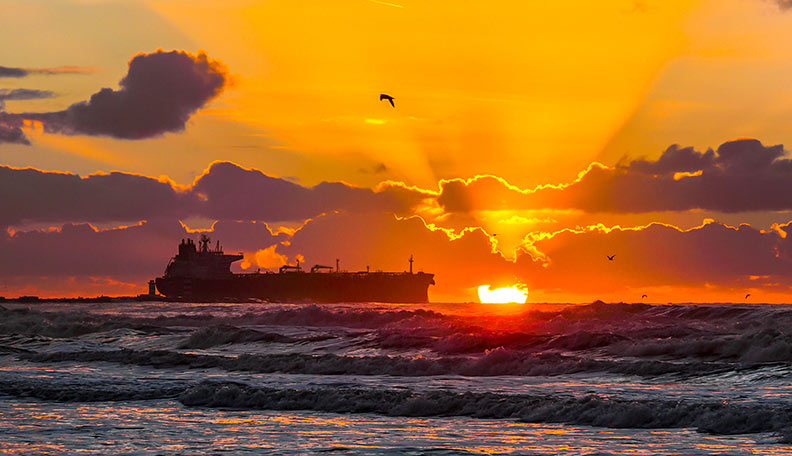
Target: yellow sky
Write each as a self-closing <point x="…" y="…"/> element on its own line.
<point x="507" y="88"/>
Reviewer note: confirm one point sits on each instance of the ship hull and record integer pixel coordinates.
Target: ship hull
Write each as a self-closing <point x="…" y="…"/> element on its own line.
<point x="301" y="287"/>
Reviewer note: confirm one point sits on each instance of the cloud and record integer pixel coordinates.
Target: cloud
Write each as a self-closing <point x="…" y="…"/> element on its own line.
<point x="232" y="192"/>
<point x="224" y="191"/>
<point x="10" y="134"/>
<point x="70" y="260"/>
<point x="8" y="72"/>
<point x="741" y="175"/>
<point x="22" y="94"/>
<point x="140" y="250"/>
<point x="784" y="4"/>
<point x="159" y="94"/>
<point x="655" y="255"/>
<point x="710" y="258"/>
<point x="360" y="226"/>
<point x="30" y="195"/>
<point x="11" y="72"/>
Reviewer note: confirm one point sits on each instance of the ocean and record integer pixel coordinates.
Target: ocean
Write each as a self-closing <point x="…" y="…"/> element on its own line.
<point x="157" y="378"/>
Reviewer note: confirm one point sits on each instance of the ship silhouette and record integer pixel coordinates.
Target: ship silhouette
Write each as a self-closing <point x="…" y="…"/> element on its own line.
<point x="203" y="274"/>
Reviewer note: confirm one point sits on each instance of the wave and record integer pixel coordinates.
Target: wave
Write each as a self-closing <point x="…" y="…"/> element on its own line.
<point x="496" y="362"/>
<point x="708" y="417"/>
<point x="718" y="417"/>
<point x="91" y="391"/>
<point x="67" y="325"/>
<point x="72" y="324"/>
<point x="222" y="335"/>
<point x="311" y="316"/>
<point x="762" y="346"/>
<point x="736" y="334"/>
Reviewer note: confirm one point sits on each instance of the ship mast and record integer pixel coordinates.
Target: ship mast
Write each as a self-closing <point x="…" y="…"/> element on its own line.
<point x="411" y="262"/>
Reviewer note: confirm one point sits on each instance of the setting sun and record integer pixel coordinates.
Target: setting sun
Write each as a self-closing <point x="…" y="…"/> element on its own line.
<point x="514" y="294"/>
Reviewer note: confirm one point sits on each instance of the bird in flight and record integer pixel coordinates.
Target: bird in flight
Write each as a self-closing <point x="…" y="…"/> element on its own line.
<point x="746" y="296"/>
<point x="610" y="257"/>
<point x="643" y="296"/>
<point x="384" y="96"/>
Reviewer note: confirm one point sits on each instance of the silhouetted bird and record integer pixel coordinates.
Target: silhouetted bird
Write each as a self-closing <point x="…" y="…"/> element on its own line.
<point x="746" y="296"/>
<point x="610" y="257"/>
<point x="644" y="296"/>
<point x="387" y="97"/>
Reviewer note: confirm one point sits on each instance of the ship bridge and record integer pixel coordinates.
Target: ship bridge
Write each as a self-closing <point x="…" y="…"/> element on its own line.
<point x="201" y="262"/>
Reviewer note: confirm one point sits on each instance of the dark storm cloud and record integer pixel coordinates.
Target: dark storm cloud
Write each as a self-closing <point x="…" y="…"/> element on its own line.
<point x="224" y="191"/>
<point x="741" y="175"/>
<point x="159" y="94"/>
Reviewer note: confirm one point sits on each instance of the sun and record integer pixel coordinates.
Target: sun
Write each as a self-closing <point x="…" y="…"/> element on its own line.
<point x="514" y="294"/>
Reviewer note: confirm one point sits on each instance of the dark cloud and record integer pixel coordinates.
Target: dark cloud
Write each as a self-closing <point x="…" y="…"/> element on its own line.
<point x="224" y="191"/>
<point x="784" y="4"/>
<point x="22" y="94"/>
<point x="710" y="257"/>
<point x="12" y="134"/>
<point x="232" y="192"/>
<point x="80" y="259"/>
<point x="30" y="195"/>
<point x="8" y="72"/>
<point x="126" y="252"/>
<point x="661" y="255"/>
<point x="159" y="94"/>
<point x="741" y="175"/>
<point x="11" y="72"/>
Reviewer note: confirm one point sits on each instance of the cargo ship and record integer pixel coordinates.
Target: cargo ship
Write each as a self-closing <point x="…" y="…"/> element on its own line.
<point x="199" y="273"/>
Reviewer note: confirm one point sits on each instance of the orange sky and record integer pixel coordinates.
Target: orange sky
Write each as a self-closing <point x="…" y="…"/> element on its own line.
<point x="530" y="93"/>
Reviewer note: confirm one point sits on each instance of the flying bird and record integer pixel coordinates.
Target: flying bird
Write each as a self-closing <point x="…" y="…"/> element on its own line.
<point x="746" y="296"/>
<point x="384" y="96"/>
<point x="610" y="257"/>
<point x="644" y="296"/>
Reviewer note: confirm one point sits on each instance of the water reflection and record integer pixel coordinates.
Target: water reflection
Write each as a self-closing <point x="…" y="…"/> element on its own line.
<point x="156" y="427"/>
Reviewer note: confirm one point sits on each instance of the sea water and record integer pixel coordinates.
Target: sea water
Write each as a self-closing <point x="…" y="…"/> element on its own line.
<point x="366" y="378"/>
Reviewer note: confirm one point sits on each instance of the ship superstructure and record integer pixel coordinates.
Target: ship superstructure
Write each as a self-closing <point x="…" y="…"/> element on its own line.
<point x="204" y="274"/>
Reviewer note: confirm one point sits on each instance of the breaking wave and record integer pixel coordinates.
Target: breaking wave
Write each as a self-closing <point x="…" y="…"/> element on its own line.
<point x="222" y="335"/>
<point x="496" y="362"/>
<point x="708" y="417"/>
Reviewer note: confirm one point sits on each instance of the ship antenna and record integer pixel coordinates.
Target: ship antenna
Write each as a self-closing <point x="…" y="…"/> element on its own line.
<point x="337" y="264"/>
<point x="411" y="262"/>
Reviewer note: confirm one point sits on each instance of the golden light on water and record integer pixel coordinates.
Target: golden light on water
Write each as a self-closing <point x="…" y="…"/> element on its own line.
<point x="514" y="294"/>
